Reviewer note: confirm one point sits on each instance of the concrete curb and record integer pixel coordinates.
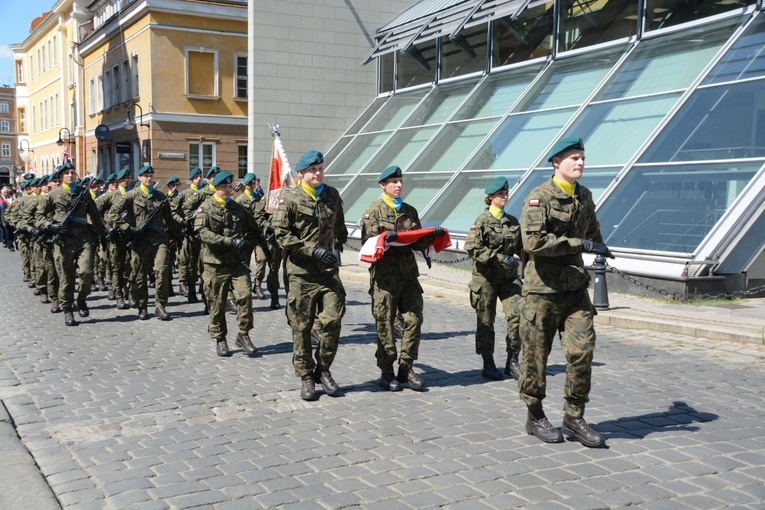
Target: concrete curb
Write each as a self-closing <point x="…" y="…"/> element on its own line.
<point x="22" y="485"/>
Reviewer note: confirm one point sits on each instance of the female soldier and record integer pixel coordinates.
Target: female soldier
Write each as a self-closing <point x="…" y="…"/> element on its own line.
<point x="493" y="240"/>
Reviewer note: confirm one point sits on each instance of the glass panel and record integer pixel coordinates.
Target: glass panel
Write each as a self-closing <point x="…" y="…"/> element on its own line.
<point x="528" y="36"/>
<point x="462" y="202"/>
<point x="331" y="156"/>
<point x="395" y="111"/>
<point x="452" y="146"/>
<point x="358" y="153"/>
<point x="440" y="104"/>
<point x="402" y="148"/>
<point x="722" y="122"/>
<point x="417" y="66"/>
<point x="338" y="181"/>
<point x="671" y="208"/>
<point x="568" y="82"/>
<point x="364" y="190"/>
<point x="387" y="72"/>
<point x="466" y="53"/>
<point x="497" y="94"/>
<point x="584" y="23"/>
<point x="520" y="140"/>
<point x="668" y="63"/>
<point x="746" y="59"/>
<point x="614" y="131"/>
<point x="368" y="114"/>
<point x="518" y="194"/>
<point x="667" y="13"/>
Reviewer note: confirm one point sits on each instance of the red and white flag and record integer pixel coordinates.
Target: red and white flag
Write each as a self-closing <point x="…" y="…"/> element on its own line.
<point x="375" y="247"/>
<point x="280" y="178"/>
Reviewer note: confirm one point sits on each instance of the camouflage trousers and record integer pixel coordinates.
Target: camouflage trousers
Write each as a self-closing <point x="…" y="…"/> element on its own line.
<point x="261" y="263"/>
<point x="119" y="255"/>
<point x="272" y="281"/>
<point x="389" y="297"/>
<point x="150" y="257"/>
<point x="41" y="270"/>
<point x="483" y="299"/>
<point x="188" y="261"/>
<point x="218" y="281"/>
<point x="73" y="258"/>
<point x="47" y="280"/>
<point x="542" y="316"/>
<point x="26" y="252"/>
<point x="314" y="297"/>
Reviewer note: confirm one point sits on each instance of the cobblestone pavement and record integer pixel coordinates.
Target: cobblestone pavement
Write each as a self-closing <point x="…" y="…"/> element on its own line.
<point x="121" y="413"/>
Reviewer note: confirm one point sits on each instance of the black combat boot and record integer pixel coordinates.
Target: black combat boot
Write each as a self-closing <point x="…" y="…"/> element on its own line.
<point x="82" y="308"/>
<point x="323" y="377"/>
<point x="161" y="313"/>
<point x="183" y="289"/>
<point x="308" y="389"/>
<point x="191" y="294"/>
<point x="538" y="425"/>
<point x="121" y="304"/>
<point x="143" y="314"/>
<point x="512" y="368"/>
<point x="221" y="348"/>
<point x="243" y="341"/>
<point x="44" y="299"/>
<point x="490" y="369"/>
<point x="257" y="289"/>
<point x="388" y="381"/>
<point x="407" y="375"/>
<point x="110" y="295"/>
<point x="275" y="303"/>
<point x="69" y="318"/>
<point x="579" y="428"/>
<point x="54" y="308"/>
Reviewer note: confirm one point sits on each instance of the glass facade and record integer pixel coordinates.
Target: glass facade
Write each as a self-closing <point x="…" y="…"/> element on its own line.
<point x="670" y="102"/>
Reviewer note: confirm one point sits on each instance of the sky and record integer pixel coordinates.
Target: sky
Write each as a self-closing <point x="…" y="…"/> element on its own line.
<point x="16" y="15"/>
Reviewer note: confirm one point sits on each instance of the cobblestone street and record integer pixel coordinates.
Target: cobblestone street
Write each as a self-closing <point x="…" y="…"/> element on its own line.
<point x="122" y="413"/>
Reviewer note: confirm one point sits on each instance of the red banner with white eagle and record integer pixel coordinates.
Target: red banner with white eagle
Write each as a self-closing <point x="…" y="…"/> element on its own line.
<point x="375" y="247"/>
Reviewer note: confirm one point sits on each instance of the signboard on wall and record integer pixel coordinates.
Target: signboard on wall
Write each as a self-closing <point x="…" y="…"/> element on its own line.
<point x="123" y="147"/>
<point x="146" y="151"/>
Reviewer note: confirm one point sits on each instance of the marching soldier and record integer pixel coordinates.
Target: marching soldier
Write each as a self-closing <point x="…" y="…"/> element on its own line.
<point x="263" y="218"/>
<point x="228" y="233"/>
<point x="310" y="224"/>
<point x="492" y="241"/>
<point x="119" y="252"/>
<point x="104" y="203"/>
<point x="188" y="256"/>
<point x="148" y="216"/>
<point x="250" y="199"/>
<point x="172" y="191"/>
<point x="73" y="250"/>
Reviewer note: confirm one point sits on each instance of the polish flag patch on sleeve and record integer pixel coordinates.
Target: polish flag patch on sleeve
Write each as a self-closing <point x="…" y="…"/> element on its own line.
<point x="472" y="227"/>
<point x="534" y="202"/>
<point x="281" y="201"/>
<point x="366" y="216"/>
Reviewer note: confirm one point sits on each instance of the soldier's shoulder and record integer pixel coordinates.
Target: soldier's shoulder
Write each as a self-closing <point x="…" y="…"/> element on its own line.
<point x="408" y="209"/>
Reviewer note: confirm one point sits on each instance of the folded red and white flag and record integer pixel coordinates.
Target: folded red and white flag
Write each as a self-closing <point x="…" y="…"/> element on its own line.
<point x="375" y="247"/>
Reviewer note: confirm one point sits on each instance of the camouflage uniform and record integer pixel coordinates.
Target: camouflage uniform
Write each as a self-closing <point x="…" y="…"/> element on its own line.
<point x="488" y="241"/>
<point x="394" y="283"/>
<point x="224" y="267"/>
<point x="47" y="277"/>
<point x="73" y="252"/>
<point x="22" y="233"/>
<point x="272" y="280"/>
<point x="119" y="252"/>
<point x="302" y="224"/>
<point x="150" y="248"/>
<point x="555" y="291"/>
<point x="189" y="262"/>
<point x="28" y="217"/>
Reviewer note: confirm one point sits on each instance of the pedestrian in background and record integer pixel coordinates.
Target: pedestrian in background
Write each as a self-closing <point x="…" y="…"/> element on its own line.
<point x="492" y="242"/>
<point x="558" y="224"/>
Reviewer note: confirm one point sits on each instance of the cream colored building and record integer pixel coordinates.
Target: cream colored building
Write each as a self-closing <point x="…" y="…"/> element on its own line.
<point x="177" y="72"/>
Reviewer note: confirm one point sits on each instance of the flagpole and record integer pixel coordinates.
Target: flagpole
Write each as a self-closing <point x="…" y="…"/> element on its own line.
<point x="280" y="178"/>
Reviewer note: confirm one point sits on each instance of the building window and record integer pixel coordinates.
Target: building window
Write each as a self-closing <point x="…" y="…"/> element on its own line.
<point x="40" y="61"/>
<point x="6" y="150"/>
<point x="99" y="93"/>
<point x="20" y="71"/>
<point x="54" y="55"/>
<point x="31" y="67"/>
<point x="241" y="162"/>
<point x="54" y="109"/>
<point x="134" y="76"/>
<point x="116" y="98"/>
<point x="201" y="73"/>
<point x="50" y="55"/>
<point x="241" y="77"/>
<point x="5" y="125"/>
<point x="3" y="107"/>
<point x="22" y="120"/>
<point x="201" y="155"/>
<point x="92" y="89"/>
<point x="34" y="120"/>
<point x="43" y="115"/>
<point x="125" y="81"/>
<point x="107" y="89"/>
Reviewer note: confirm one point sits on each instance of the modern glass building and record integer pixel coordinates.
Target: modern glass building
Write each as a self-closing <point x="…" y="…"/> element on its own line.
<point x="668" y="95"/>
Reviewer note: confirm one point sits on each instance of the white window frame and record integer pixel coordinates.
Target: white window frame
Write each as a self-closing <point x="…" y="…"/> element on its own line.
<point x="200" y="152"/>
<point x="20" y="70"/>
<point x="6" y="149"/>
<point x="54" y="57"/>
<point x="5" y="125"/>
<point x="134" y="75"/>
<point x="4" y="108"/>
<point x="125" y="81"/>
<point x="116" y="97"/>
<point x="22" y="113"/>
<point x="100" y="92"/>
<point x="107" y="89"/>
<point x="92" y="99"/>
<point x="55" y="109"/>
<point x="216" y="71"/>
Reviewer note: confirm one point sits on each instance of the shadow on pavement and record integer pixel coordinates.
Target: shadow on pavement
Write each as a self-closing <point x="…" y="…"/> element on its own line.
<point x="678" y="417"/>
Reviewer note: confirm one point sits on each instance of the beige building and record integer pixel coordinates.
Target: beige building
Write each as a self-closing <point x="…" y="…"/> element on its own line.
<point x="167" y="82"/>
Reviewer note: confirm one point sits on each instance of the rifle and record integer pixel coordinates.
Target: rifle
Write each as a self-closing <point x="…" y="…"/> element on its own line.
<point x="85" y="188"/>
<point x="152" y="215"/>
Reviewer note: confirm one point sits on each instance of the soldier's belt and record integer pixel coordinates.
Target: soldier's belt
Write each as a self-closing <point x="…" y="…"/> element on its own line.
<point x="565" y="260"/>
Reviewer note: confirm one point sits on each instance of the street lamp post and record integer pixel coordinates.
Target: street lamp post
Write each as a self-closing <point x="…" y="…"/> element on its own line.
<point x="130" y="120"/>
<point x="60" y="141"/>
<point x="25" y="155"/>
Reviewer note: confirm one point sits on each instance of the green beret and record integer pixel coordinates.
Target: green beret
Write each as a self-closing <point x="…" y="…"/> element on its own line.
<point x="68" y="166"/>
<point x="498" y="184"/>
<point x="391" y="171"/>
<point x="56" y="174"/>
<point x="44" y="179"/>
<point x="33" y="182"/>
<point x="223" y="178"/>
<point x="122" y="174"/>
<point x="173" y="180"/>
<point x="308" y="159"/>
<point x="566" y="144"/>
<point x="212" y="171"/>
<point x="110" y="178"/>
<point x="146" y="169"/>
<point x="23" y="185"/>
<point x="249" y="178"/>
<point x="194" y="172"/>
